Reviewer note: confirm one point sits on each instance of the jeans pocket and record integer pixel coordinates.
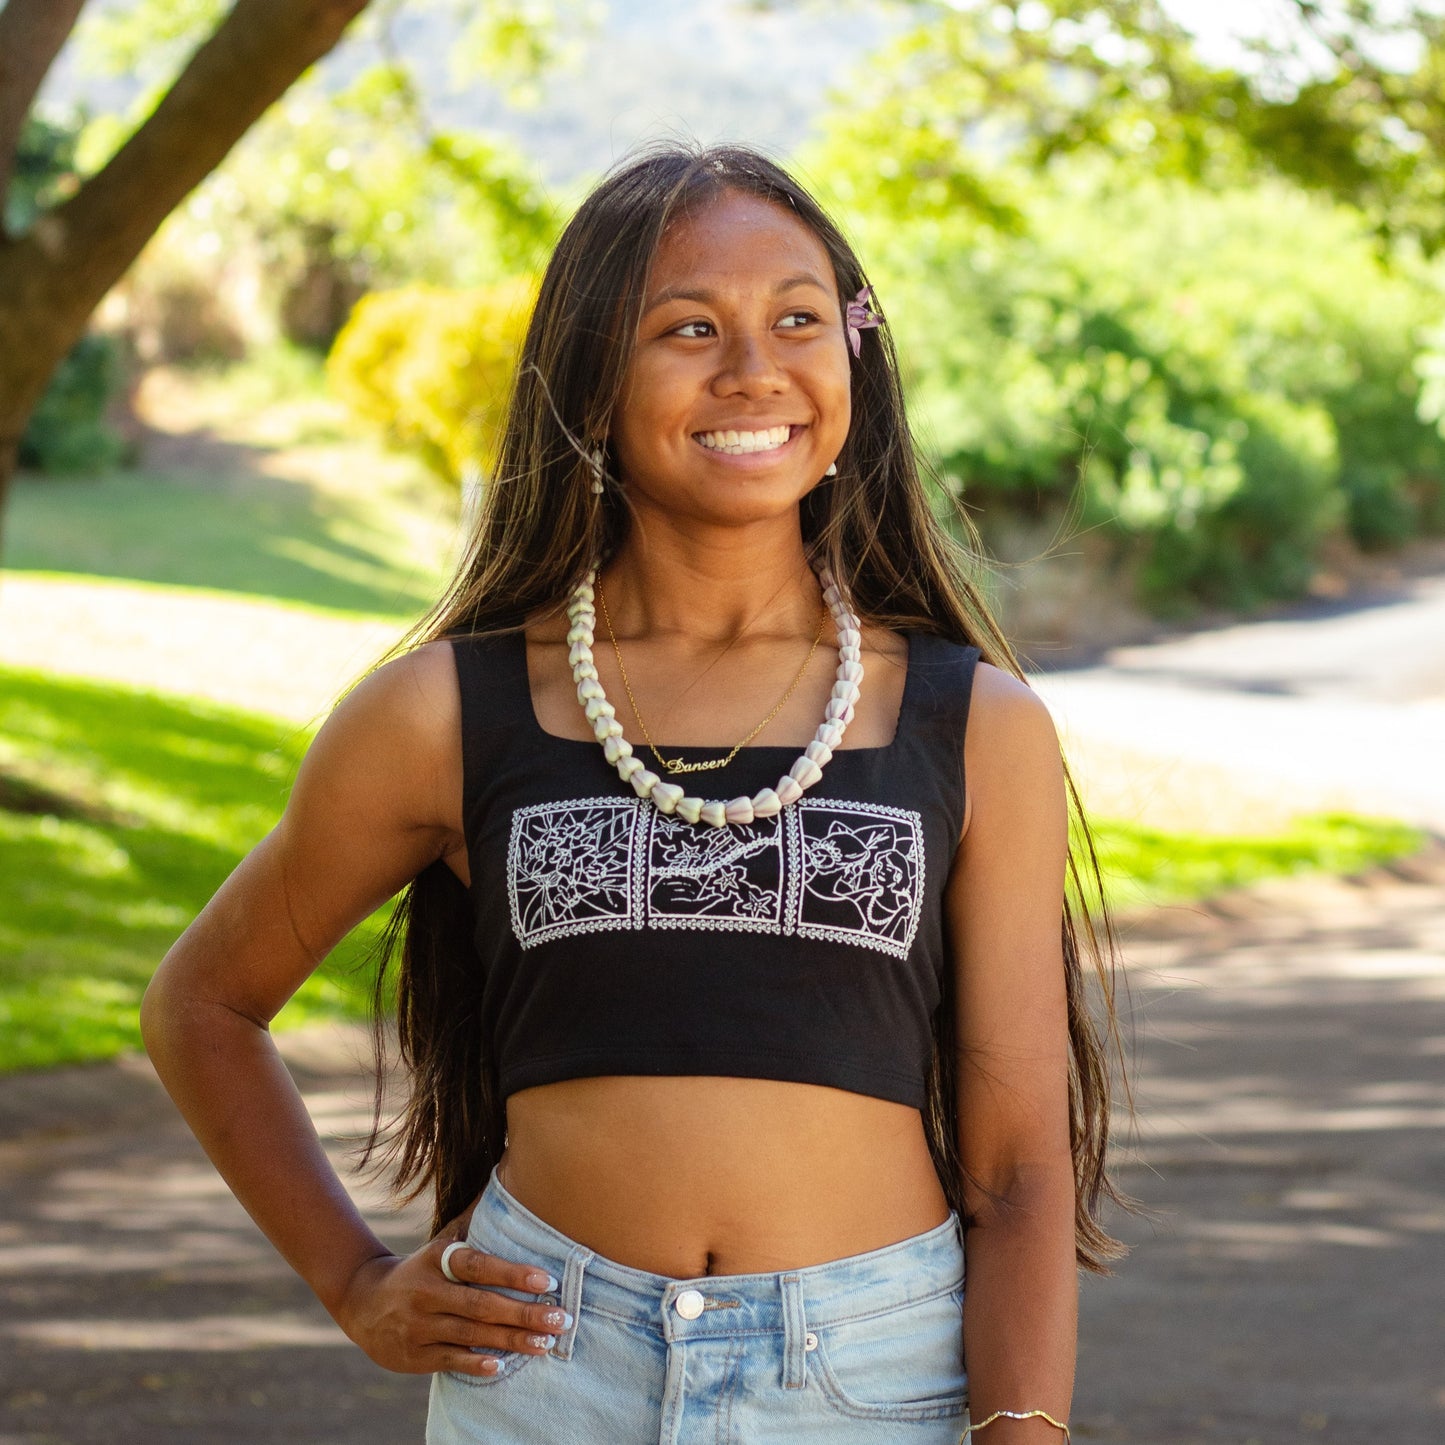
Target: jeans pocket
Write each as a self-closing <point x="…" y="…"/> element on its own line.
<point x="510" y="1362"/>
<point x="902" y="1364"/>
<point x="509" y="1365"/>
<point x="486" y="1238"/>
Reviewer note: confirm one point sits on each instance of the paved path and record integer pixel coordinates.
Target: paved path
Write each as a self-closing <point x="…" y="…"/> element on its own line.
<point x="1335" y="707"/>
<point x="1292" y="1137"/>
<point x="1291" y="1067"/>
<point x="140" y="1306"/>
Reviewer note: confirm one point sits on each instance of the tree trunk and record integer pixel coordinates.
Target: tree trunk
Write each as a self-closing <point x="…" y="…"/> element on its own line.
<point x="52" y="278"/>
<point x="31" y="34"/>
<point x="9" y="452"/>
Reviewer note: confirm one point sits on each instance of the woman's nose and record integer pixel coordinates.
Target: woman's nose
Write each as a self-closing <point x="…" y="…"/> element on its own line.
<point x="750" y="365"/>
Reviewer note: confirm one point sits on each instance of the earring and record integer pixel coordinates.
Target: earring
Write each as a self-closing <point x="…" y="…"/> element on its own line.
<point x="832" y="470"/>
<point x="594" y="460"/>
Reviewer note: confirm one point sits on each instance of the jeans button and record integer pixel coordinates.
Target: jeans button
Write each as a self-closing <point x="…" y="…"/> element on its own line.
<point x="688" y="1304"/>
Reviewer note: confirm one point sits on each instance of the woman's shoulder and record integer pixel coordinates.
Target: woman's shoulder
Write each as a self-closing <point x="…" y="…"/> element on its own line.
<point x="388" y="756"/>
<point x="424" y="674"/>
<point x="410" y="700"/>
<point x="999" y="689"/>
<point x="1006" y="707"/>
<point x="1012" y="746"/>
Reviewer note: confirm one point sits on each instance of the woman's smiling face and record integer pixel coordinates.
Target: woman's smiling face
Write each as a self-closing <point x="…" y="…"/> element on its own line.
<point x="737" y="396"/>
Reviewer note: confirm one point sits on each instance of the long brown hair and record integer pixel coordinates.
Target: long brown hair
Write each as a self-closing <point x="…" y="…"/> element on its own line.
<point x="540" y="527"/>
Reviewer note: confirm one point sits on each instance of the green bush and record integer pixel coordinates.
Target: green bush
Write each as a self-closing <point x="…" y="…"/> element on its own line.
<point x="1218" y="381"/>
<point x="433" y="368"/>
<point x="67" y="431"/>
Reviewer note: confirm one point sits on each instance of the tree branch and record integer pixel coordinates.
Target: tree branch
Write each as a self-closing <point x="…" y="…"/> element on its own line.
<point x="253" y="57"/>
<point x="31" y="35"/>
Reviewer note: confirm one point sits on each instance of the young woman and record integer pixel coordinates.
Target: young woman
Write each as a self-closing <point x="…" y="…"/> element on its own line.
<point x="725" y="1053"/>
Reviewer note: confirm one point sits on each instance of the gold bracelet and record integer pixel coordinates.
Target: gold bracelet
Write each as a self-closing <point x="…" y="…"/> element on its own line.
<point x="1016" y="1415"/>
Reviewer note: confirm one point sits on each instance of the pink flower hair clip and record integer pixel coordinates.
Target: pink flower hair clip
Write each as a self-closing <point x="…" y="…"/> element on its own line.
<point x="861" y="317"/>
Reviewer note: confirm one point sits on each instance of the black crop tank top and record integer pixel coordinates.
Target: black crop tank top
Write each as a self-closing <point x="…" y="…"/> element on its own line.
<point x="615" y="939"/>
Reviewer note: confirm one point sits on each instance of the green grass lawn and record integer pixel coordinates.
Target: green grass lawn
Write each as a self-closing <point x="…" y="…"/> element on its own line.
<point x="260" y="488"/>
<point x="1144" y="867"/>
<point x="264" y="537"/>
<point x="165" y="797"/>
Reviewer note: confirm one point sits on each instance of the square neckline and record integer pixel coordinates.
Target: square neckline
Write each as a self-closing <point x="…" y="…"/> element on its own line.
<point x="905" y="706"/>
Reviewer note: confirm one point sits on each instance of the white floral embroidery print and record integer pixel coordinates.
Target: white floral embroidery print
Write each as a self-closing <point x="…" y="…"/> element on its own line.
<point x="568" y="869"/>
<point x="846" y="872"/>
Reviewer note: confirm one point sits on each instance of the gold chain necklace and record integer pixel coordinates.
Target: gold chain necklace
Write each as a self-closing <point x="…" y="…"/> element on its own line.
<point x="676" y="765"/>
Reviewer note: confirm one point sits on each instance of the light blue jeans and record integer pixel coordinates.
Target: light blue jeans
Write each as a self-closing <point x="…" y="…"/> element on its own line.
<point x="864" y="1349"/>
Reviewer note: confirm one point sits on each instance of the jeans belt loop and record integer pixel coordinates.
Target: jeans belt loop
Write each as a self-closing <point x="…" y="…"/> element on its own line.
<point x="795" y="1332"/>
<point x="572" y="1273"/>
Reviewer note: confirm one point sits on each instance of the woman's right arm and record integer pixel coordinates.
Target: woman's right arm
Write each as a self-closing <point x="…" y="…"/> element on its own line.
<point x="377" y="799"/>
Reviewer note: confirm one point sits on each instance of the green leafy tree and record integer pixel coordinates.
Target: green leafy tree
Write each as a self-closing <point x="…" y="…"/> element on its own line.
<point x="53" y="274"/>
<point x="210" y="70"/>
<point x="44" y="171"/>
<point x="345" y="187"/>
<point x="363" y="177"/>
<point x="1219" y="382"/>
<point x="1178" y="293"/>
<point x="1345" y="98"/>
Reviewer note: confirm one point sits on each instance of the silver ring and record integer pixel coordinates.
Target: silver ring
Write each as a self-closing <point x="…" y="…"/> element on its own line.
<point x="447" y="1253"/>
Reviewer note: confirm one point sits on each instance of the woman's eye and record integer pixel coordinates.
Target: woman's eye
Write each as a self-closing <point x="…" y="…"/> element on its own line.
<point x="693" y="329"/>
<point x="795" y="319"/>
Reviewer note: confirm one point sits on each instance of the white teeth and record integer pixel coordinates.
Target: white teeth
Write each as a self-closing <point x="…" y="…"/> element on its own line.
<point x="736" y="443"/>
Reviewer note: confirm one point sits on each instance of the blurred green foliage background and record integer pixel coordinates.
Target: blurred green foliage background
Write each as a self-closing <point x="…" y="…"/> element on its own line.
<point x="1192" y="308"/>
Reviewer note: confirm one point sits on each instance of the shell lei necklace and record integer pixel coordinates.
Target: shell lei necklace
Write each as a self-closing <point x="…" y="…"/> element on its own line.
<point x="669" y="797"/>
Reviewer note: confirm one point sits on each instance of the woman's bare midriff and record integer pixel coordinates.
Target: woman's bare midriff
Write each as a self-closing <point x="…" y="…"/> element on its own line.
<point x="685" y="1176"/>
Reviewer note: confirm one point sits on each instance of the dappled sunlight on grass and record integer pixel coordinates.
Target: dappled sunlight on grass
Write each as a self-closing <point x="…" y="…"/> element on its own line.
<point x="168" y="797"/>
<point x="1144" y="867"/>
<point x="289" y="662"/>
<point x="252" y="482"/>
<point x="274" y="538"/>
